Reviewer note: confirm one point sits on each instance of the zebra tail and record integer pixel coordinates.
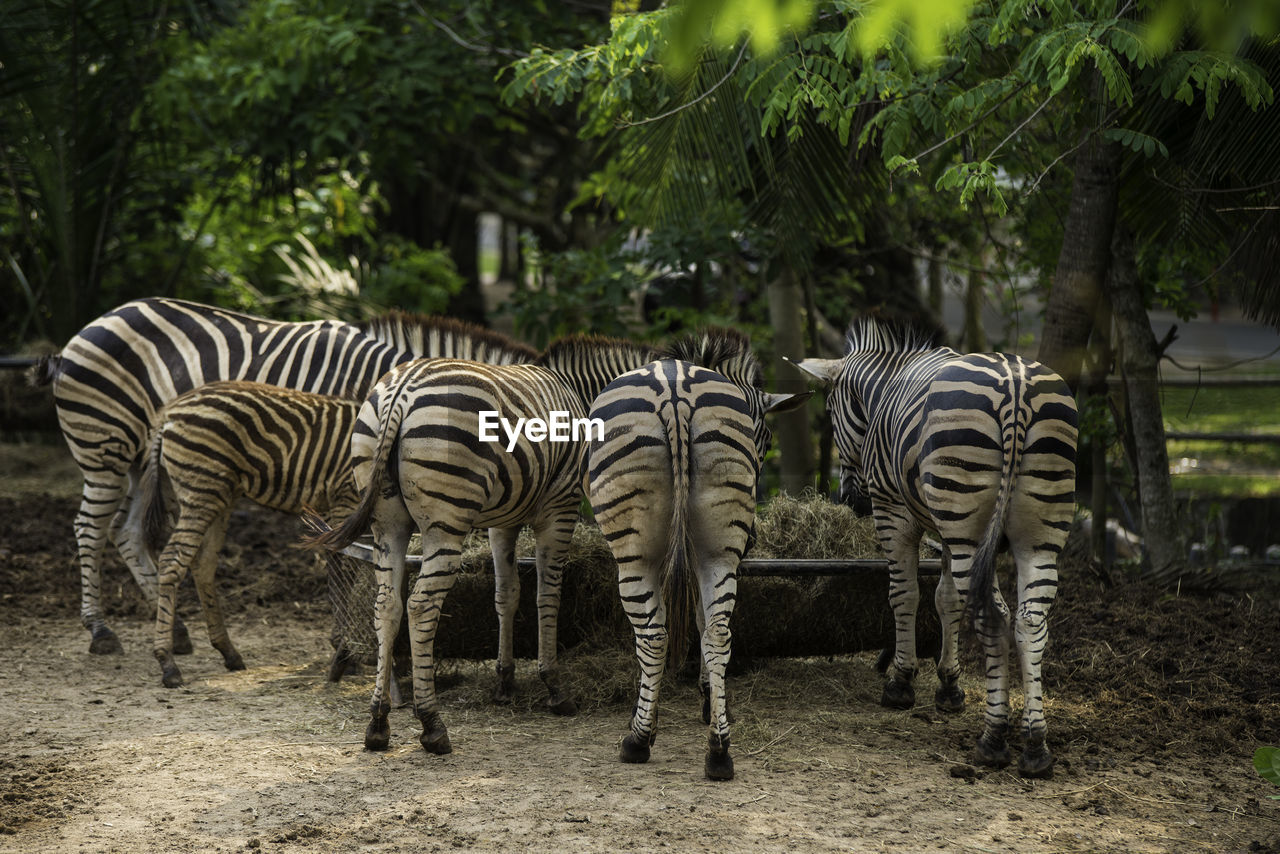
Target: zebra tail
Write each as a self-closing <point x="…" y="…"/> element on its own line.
<point x="45" y="370"/>
<point x="390" y="416"/>
<point x="985" y="608"/>
<point x="151" y="492"/>
<point x="678" y="590"/>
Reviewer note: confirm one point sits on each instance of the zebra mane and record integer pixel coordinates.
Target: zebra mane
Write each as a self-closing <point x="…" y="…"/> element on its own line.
<point x="573" y="349"/>
<point x="720" y="349"/>
<point x="446" y="337"/>
<point x="870" y="333"/>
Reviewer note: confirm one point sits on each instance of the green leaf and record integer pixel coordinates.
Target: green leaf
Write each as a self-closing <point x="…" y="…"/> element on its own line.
<point x="1267" y="761"/>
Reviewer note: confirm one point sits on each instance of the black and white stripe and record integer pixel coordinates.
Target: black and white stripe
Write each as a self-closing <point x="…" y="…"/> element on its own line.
<point x="113" y="377"/>
<point x="673" y="485"/>
<point x="420" y="465"/>
<point x="283" y="449"/>
<point x="980" y="449"/>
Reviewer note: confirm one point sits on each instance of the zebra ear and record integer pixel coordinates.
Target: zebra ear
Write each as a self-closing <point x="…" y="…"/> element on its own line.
<point x="823" y="370"/>
<point x="785" y="402"/>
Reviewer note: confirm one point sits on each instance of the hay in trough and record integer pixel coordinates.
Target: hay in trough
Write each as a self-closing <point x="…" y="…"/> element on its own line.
<point x="814" y="615"/>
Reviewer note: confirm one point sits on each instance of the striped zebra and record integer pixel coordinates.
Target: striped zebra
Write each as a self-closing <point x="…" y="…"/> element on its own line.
<point x="980" y="449"/>
<point x="420" y="463"/>
<point x="116" y="373"/>
<point x="284" y="449"/>
<point x="673" y="485"/>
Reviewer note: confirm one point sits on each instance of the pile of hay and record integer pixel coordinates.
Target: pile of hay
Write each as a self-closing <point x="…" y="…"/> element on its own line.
<point x="811" y="527"/>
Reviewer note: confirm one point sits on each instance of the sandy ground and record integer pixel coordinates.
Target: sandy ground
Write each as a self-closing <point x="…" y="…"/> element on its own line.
<point x="96" y="755"/>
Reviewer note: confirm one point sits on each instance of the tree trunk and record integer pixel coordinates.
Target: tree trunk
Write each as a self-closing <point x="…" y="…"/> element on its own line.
<point x="935" y="284"/>
<point x="790" y="428"/>
<point x="1139" y="357"/>
<point x="1082" y="261"/>
<point x="975" y="337"/>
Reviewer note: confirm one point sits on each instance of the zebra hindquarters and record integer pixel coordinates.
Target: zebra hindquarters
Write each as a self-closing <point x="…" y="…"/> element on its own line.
<point x="632" y="499"/>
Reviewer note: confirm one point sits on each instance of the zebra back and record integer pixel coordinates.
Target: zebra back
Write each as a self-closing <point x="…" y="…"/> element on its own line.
<point x="281" y="448"/>
<point x="588" y="363"/>
<point x="446" y="338"/>
<point x="117" y="372"/>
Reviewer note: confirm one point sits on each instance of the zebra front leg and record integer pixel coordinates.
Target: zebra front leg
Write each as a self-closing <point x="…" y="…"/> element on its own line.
<point x="174" y="561"/>
<point x="552" y="546"/>
<point x="206" y="587"/>
<point x="506" y="598"/>
<point x="950" y="696"/>
<point x="426" y="602"/>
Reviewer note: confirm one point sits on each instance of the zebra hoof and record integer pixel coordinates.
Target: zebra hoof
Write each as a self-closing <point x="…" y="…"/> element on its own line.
<point x="503" y="694"/>
<point x="171" y="677"/>
<point x="634" y="750"/>
<point x="436" y="741"/>
<point x="378" y="735"/>
<point x="181" y="639"/>
<point x="718" y="764"/>
<point x="949" y="698"/>
<point x="105" y="642"/>
<point x="564" y="707"/>
<point x="234" y="662"/>
<point x="898" y="695"/>
<point x="997" y="756"/>
<point x="1036" y="763"/>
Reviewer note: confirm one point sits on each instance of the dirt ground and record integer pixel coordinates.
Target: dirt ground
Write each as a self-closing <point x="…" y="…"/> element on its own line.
<point x="1156" y="704"/>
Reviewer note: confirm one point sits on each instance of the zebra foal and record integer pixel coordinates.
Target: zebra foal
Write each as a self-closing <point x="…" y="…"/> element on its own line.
<point x="115" y="374"/>
<point x="673" y="482"/>
<point x="980" y="449"/>
<point x="420" y="464"/>
<point x="283" y="449"/>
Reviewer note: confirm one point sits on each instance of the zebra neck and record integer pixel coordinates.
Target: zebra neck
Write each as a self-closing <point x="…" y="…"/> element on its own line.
<point x="588" y="369"/>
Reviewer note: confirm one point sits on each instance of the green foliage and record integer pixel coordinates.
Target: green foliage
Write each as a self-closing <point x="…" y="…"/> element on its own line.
<point x="764" y="23"/>
<point x="1267" y="762"/>
<point x="573" y="291"/>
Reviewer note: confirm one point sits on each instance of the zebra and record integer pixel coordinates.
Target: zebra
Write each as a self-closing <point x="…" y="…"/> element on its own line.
<point x="672" y="483"/>
<point x="978" y="448"/>
<point x="420" y="463"/>
<point x="284" y="449"/>
<point x="115" y="374"/>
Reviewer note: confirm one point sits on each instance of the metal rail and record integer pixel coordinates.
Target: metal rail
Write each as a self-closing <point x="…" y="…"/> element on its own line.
<point x="750" y="566"/>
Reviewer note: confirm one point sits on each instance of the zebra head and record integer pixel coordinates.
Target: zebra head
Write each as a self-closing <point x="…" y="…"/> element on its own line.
<point x="876" y="350"/>
<point x="728" y="352"/>
<point x="849" y="423"/>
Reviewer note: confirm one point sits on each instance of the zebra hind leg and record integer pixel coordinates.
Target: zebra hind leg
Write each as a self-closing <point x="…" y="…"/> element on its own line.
<point x="100" y="501"/>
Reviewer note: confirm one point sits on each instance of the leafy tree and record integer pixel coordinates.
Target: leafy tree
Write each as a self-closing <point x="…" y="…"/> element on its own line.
<point x="992" y="117"/>
<point x="85" y="167"/>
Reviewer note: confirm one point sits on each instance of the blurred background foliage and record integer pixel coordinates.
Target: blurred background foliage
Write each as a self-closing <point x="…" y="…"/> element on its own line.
<point x="635" y="168"/>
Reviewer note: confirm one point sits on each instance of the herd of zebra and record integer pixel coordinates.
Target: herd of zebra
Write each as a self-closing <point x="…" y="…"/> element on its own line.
<point x="173" y="410"/>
